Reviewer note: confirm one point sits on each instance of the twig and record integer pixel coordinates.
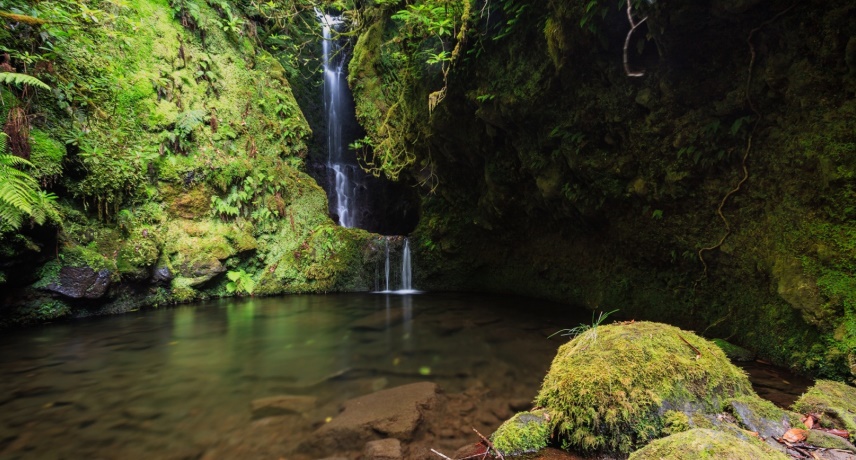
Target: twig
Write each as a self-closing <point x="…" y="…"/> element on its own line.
<point x="489" y="444"/>
<point x="438" y="453"/>
<point x="633" y="26"/>
<point x="743" y="166"/>
<point x="698" y="353"/>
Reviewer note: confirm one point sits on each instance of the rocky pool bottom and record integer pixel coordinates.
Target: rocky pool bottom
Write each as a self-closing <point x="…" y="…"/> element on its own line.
<point x="297" y="377"/>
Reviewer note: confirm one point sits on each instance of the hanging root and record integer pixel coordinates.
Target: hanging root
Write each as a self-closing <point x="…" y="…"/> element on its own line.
<point x="748" y="149"/>
<point x="633" y="26"/>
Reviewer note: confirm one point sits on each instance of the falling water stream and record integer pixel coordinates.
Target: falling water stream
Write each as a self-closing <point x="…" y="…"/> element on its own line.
<point x="341" y="168"/>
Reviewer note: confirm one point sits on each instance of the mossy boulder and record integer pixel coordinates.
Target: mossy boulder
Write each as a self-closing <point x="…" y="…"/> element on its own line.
<point x="524" y="433"/>
<point x="702" y="443"/>
<point x="835" y="402"/>
<point x="610" y="388"/>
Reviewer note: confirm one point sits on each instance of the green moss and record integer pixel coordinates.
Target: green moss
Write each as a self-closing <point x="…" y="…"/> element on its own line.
<point x="137" y="254"/>
<point x="706" y="444"/>
<point x="734" y="352"/>
<point x="41" y="311"/>
<point x="525" y="432"/>
<point x="609" y="388"/>
<point x="828" y="441"/>
<point x="675" y="422"/>
<point x="834" y="401"/>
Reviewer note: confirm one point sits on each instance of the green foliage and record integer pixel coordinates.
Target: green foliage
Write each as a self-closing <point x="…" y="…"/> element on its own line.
<point x="240" y="282"/>
<point x="12" y="78"/>
<point x="589" y="330"/>
<point x="20" y="197"/>
<point x="834" y="401"/>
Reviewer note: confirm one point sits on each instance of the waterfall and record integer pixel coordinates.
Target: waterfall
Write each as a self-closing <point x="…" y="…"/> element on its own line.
<point x="335" y="91"/>
<point x="406" y="283"/>
<point x="404" y="270"/>
<point x="386" y="264"/>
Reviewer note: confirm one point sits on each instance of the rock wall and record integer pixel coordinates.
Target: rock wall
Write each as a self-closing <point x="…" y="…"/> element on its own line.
<point x="174" y="142"/>
<point x="713" y="192"/>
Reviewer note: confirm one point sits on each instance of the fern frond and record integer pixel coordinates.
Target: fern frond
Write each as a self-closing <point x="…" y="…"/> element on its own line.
<point x="188" y="120"/>
<point x="22" y="78"/>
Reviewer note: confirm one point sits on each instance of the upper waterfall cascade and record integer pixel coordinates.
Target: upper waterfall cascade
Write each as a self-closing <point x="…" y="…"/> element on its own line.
<point x="341" y="169"/>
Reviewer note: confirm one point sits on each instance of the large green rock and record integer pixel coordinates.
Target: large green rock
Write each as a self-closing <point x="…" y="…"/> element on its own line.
<point x="610" y="388"/>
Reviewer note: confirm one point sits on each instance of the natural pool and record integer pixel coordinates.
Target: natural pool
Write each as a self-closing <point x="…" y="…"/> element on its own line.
<point x="178" y="383"/>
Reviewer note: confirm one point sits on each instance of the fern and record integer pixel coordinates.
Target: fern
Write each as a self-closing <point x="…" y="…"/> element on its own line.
<point x="188" y="121"/>
<point x="20" y="197"/>
<point x="21" y="78"/>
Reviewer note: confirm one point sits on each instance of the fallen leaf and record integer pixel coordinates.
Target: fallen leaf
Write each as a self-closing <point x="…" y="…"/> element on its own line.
<point x="808" y="420"/>
<point x="842" y="433"/>
<point x="795" y="435"/>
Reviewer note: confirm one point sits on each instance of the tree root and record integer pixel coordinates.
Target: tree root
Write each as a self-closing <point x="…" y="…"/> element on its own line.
<point x="758" y="117"/>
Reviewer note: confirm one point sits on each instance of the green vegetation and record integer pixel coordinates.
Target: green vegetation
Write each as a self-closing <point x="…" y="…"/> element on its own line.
<point x="834" y="401"/>
<point x="20" y="197"/>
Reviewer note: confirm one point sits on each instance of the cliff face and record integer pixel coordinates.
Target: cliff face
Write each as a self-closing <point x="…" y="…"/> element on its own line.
<point x="714" y="192"/>
<point x="176" y="147"/>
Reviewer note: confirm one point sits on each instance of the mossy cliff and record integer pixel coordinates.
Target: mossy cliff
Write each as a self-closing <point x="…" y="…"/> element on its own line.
<point x="715" y="191"/>
<point x="174" y="142"/>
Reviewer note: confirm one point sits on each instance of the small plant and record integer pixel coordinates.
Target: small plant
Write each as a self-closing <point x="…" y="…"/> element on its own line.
<point x="240" y="282"/>
<point x="589" y="330"/>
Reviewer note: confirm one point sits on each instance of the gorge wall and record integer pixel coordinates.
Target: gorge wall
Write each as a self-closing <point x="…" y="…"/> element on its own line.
<point x="554" y="174"/>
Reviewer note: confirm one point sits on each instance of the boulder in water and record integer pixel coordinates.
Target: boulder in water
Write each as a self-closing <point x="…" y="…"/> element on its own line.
<point x="610" y="388"/>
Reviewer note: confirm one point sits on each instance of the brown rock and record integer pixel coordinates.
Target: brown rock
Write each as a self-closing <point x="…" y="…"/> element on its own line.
<point x="393" y="413"/>
<point x="282" y="405"/>
<point x="384" y="449"/>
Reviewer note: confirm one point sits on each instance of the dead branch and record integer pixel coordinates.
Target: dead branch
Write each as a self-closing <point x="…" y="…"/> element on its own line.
<point x="698" y="352"/>
<point x="489" y="444"/>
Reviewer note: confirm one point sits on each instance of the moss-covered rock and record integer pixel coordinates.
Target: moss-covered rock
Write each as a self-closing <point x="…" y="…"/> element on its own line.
<point x="525" y="432"/>
<point x="734" y="352"/>
<point x="834" y="401"/>
<point x="700" y="443"/>
<point x="610" y="387"/>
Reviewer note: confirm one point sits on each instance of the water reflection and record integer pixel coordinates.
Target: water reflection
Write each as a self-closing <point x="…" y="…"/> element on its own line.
<point x="173" y="382"/>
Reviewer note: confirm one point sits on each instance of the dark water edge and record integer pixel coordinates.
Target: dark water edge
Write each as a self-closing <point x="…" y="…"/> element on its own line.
<point x="171" y="383"/>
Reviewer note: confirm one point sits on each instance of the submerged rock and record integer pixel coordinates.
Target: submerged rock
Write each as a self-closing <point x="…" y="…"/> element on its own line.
<point x="282" y="405"/>
<point x="705" y="443"/>
<point x="384" y="449"/>
<point x="393" y="413"/>
<point x="610" y="388"/>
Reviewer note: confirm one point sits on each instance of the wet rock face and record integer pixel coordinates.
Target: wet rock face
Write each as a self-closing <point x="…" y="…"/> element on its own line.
<point x="81" y="283"/>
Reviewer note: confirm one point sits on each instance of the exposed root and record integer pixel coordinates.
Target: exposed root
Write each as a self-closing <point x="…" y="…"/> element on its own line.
<point x="633" y="26"/>
<point x="748" y="149"/>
